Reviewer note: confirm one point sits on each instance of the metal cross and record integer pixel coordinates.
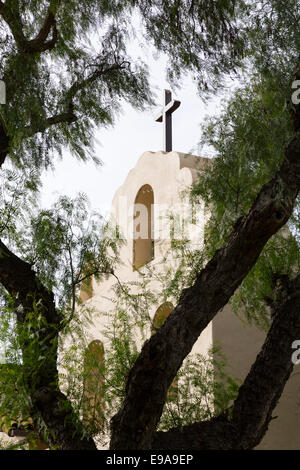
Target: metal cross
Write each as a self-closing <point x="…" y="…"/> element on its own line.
<point x="166" y="118"/>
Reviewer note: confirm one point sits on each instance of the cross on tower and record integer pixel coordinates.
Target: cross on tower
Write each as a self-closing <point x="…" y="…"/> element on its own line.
<point x="166" y="118"/>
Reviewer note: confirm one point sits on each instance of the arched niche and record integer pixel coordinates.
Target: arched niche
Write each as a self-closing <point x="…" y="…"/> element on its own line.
<point x="143" y="227"/>
<point x="162" y="314"/>
<point x="86" y="289"/>
<point x="159" y="318"/>
<point x="93" y="387"/>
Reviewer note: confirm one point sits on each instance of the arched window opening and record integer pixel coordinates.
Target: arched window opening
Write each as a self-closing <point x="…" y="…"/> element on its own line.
<point x="93" y="387"/>
<point x="86" y="289"/>
<point x="160" y="317"/>
<point x="143" y="227"/>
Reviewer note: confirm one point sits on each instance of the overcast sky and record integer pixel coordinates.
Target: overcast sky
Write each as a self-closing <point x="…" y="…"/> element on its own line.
<point x="119" y="147"/>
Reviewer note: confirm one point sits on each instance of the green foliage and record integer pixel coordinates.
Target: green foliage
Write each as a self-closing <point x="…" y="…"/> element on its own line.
<point x="202" y="36"/>
<point x="205" y="390"/>
<point x="75" y="77"/>
<point x="14" y="403"/>
<point x="279" y="259"/>
<point x="273" y="37"/>
<point x="55" y="100"/>
<point x="66" y="245"/>
<point x="249" y="138"/>
<point x="9" y="339"/>
<point x="18" y="198"/>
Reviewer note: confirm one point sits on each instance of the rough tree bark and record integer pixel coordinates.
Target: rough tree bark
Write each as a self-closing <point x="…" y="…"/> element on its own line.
<point x="4" y="142"/>
<point x="162" y="355"/>
<point x="245" y="425"/>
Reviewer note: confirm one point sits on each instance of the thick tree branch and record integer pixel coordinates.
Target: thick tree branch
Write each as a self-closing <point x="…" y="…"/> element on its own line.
<point x="163" y="353"/>
<point x="68" y="117"/>
<point x="216" y="434"/>
<point x="11" y="14"/>
<point x="22" y="283"/>
<point x="100" y="71"/>
<point x="259" y="394"/>
<point x="40" y="41"/>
